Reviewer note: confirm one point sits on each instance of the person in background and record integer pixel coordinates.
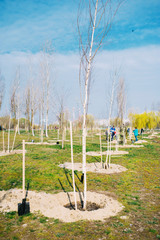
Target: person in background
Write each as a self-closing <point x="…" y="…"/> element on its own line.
<point x="113" y="132"/>
<point x="135" y="131"/>
<point x="106" y="133"/>
<point x="142" y="130"/>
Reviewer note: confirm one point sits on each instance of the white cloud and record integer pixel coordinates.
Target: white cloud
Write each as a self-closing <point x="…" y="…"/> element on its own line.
<point x="139" y="67"/>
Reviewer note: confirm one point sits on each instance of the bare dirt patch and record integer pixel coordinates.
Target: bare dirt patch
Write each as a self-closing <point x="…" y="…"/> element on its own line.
<point x="140" y="141"/>
<point x="130" y="146"/>
<point x="95" y="167"/>
<point x="105" y="153"/>
<point x="54" y="205"/>
<point x="40" y="143"/>
<point x="11" y="152"/>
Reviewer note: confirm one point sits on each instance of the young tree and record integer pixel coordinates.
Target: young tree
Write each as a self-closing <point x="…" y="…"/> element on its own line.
<point x="27" y="107"/>
<point x="47" y="54"/>
<point x="33" y="94"/>
<point x="61" y="116"/>
<point x="114" y="76"/>
<point x="121" y="105"/>
<point x="98" y="23"/>
<point x="14" y="98"/>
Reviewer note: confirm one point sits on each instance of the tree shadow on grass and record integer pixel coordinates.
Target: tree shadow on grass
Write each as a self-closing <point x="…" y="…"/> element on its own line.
<point x="67" y="174"/>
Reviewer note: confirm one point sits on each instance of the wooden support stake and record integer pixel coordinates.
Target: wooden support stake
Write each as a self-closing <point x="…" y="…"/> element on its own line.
<point x="23" y="175"/>
<point x="3" y="142"/>
<point x="100" y="147"/>
<point x="58" y="134"/>
<point x="9" y="132"/>
<point x="74" y="189"/>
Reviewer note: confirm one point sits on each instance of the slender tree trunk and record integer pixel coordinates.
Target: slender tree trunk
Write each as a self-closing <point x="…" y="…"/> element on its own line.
<point x="47" y="103"/>
<point x="42" y="117"/>
<point x="124" y="138"/>
<point x="14" y="137"/>
<point x="33" y="124"/>
<point x="18" y="116"/>
<point x="85" y="110"/>
<point x="47" y="124"/>
<point x="62" y="137"/>
<point x="108" y="156"/>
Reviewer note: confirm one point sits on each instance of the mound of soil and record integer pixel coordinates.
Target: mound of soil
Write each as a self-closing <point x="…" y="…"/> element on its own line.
<point x="95" y="167"/>
<point x="54" y="205"/>
<point x="105" y="153"/>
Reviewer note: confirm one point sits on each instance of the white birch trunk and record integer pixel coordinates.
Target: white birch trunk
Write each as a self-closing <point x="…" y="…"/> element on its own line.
<point x="42" y="126"/>
<point x="85" y="110"/>
<point x="130" y="134"/>
<point x="124" y="139"/>
<point x="47" y="124"/>
<point x="74" y="189"/>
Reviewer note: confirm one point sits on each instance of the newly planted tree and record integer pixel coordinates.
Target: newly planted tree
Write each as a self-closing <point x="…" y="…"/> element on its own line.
<point x="114" y="77"/>
<point x="121" y="106"/>
<point x="46" y="72"/>
<point x="99" y="17"/>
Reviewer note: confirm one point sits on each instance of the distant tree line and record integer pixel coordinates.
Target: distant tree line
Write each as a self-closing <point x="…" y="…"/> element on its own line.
<point x="150" y="120"/>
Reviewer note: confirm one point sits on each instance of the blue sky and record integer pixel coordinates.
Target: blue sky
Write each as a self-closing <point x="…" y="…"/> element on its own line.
<point x="25" y="25"/>
<point x="133" y="43"/>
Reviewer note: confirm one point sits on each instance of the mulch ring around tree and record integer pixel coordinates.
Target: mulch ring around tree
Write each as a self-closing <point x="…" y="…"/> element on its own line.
<point x="100" y="206"/>
<point x="95" y="167"/>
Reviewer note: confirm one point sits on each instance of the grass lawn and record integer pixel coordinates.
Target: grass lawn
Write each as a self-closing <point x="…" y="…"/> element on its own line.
<point x="138" y="189"/>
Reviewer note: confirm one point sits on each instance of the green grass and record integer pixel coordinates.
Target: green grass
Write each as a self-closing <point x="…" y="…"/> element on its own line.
<point x="137" y="189"/>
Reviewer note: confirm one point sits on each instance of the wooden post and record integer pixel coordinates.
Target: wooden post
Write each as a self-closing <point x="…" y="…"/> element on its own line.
<point x="9" y="132"/>
<point x="62" y="137"/>
<point x="109" y="153"/>
<point x="23" y="167"/>
<point x="100" y="140"/>
<point x="58" y="134"/>
<point x="117" y="141"/>
<point x="74" y="189"/>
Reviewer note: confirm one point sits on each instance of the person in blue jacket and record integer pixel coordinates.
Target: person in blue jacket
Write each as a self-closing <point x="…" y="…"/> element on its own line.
<point x="135" y="133"/>
<point x="113" y="132"/>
